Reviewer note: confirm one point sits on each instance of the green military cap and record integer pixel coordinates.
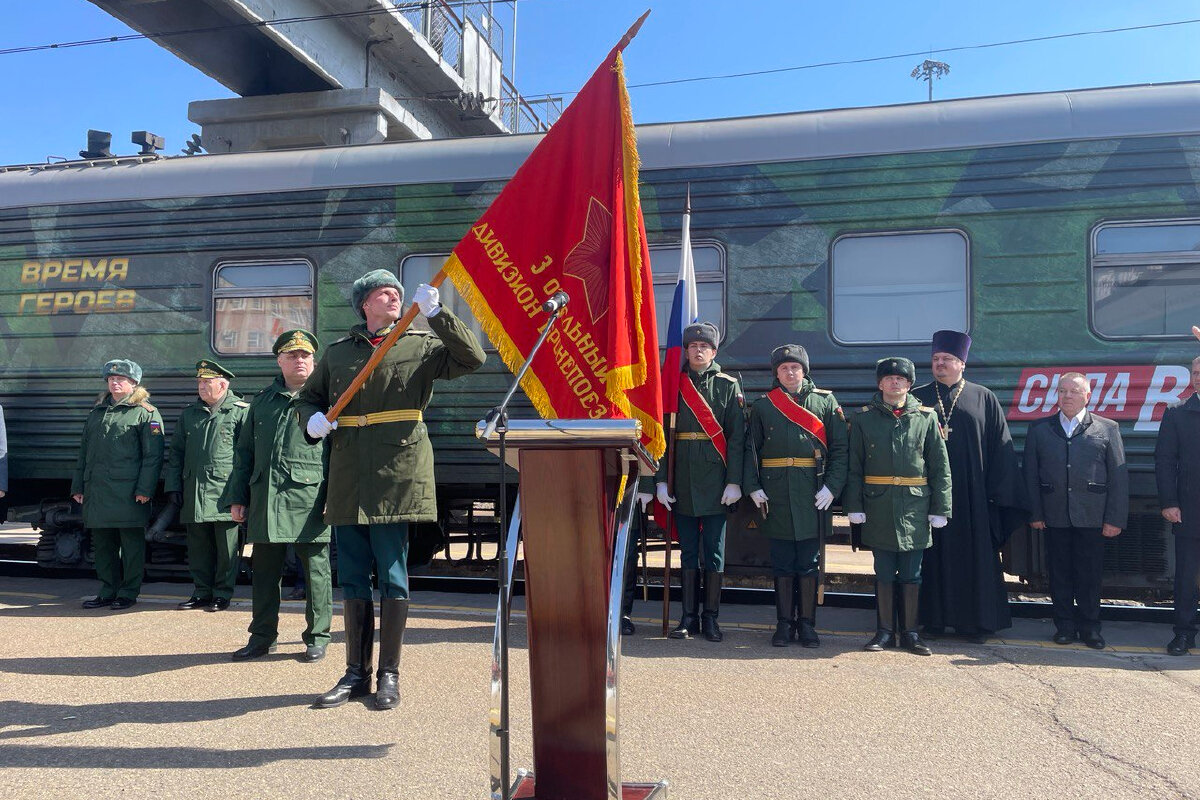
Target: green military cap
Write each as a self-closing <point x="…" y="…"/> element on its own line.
<point x="207" y="368"/>
<point x="375" y="279"/>
<point x="297" y="339"/>
<point x="789" y="354"/>
<point x="701" y="332"/>
<point x="125" y="368"/>
<point x="895" y="366"/>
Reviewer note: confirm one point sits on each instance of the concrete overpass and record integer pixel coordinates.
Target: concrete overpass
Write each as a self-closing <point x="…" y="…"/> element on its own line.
<point x="331" y="72"/>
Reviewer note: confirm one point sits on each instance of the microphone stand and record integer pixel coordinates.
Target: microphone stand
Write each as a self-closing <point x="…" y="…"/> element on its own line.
<point x="497" y="421"/>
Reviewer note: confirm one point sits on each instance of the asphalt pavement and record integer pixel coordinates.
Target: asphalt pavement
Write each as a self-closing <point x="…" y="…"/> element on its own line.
<point x="145" y="703"/>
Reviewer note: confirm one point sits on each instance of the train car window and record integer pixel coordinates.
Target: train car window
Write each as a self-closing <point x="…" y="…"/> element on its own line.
<point x="899" y="287"/>
<point x="255" y="301"/>
<point x="1144" y="278"/>
<point x="709" y="261"/>
<point x="415" y="270"/>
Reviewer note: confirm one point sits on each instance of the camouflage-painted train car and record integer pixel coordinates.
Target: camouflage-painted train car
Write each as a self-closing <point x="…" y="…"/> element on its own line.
<point x="1059" y="229"/>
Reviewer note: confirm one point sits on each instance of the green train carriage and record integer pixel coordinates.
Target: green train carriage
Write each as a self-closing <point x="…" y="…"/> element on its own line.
<point x="1059" y="229"/>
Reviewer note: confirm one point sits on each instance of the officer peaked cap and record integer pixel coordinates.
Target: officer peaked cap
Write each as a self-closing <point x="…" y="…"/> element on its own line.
<point x="207" y="368"/>
<point x="124" y="368"/>
<point x="895" y="366"/>
<point x="297" y="339"/>
<point x="789" y="354"/>
<point x="376" y="279"/>
<point x="701" y="332"/>
<point x="952" y="342"/>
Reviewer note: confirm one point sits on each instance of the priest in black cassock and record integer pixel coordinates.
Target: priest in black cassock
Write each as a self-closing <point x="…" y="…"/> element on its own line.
<point x="962" y="581"/>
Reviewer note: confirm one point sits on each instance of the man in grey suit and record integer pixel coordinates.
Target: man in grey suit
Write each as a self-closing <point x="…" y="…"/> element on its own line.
<point x="1177" y="467"/>
<point x="1079" y="495"/>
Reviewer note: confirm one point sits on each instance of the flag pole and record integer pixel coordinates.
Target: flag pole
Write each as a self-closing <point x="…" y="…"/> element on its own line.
<point x="393" y="336"/>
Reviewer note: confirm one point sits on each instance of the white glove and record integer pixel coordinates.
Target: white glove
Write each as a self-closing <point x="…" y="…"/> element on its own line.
<point x="824" y="498"/>
<point x="731" y="495"/>
<point x="858" y="518"/>
<point x="759" y="497"/>
<point x="644" y="498"/>
<point x="664" y="498"/>
<point x="937" y="522"/>
<point x="427" y="299"/>
<point x="319" y="427"/>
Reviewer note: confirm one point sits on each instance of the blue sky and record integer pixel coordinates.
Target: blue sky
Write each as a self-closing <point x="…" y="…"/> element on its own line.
<point x="50" y="98"/>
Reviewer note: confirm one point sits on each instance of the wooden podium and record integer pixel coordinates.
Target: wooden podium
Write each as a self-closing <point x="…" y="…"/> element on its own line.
<point x="578" y="481"/>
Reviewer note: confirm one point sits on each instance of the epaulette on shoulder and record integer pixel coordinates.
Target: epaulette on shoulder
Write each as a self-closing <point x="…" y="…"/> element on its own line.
<point x="339" y="341"/>
<point x="241" y="404"/>
<point x="146" y="405"/>
<point x="727" y="377"/>
<point x="926" y="409"/>
<point x="822" y="391"/>
<point x="414" y="332"/>
<point x="864" y="409"/>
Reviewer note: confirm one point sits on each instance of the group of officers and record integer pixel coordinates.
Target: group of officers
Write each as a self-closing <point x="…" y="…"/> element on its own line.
<point x="269" y="463"/>
<point x="932" y="485"/>
<point x="925" y="469"/>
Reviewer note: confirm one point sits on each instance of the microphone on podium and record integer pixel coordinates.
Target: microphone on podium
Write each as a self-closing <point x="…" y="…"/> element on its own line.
<point x="557" y="302"/>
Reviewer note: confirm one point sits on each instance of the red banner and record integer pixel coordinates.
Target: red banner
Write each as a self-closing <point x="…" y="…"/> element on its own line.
<point x="1138" y="392"/>
<point x="571" y="220"/>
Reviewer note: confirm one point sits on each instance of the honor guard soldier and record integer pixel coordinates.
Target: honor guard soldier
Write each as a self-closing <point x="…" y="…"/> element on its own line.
<point x="795" y="465"/>
<point x="278" y="489"/>
<point x="120" y="458"/>
<point x="381" y="464"/>
<point x="199" y="461"/>
<point x="898" y="486"/>
<point x="709" y="437"/>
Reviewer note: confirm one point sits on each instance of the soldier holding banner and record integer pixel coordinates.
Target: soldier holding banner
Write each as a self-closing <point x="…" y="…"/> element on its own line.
<point x="709" y="437"/>
<point x="795" y="465"/>
<point x="381" y="465"/>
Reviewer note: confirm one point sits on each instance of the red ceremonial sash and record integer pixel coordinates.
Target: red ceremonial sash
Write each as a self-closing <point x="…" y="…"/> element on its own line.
<point x="798" y="414"/>
<point x="699" y="407"/>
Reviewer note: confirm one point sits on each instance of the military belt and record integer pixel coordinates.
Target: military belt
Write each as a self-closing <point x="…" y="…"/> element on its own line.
<point x="893" y="480"/>
<point x="789" y="462"/>
<point x="380" y="417"/>
<point x="693" y="437"/>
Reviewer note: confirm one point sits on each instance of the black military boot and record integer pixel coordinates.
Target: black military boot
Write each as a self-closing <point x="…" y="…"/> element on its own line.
<point x="806" y="625"/>
<point x="712" y="607"/>
<point x="627" y="626"/>
<point x="359" y="616"/>
<point x="785" y="603"/>
<point x="910" y="639"/>
<point x="885" y="616"/>
<point x="689" y="590"/>
<point x="393" y="617"/>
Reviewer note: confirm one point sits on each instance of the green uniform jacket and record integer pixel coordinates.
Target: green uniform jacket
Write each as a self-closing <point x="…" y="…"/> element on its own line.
<point x="384" y="473"/>
<point x="200" y="457"/>
<point x="277" y="473"/>
<point x="791" y="513"/>
<point x="120" y="456"/>
<point x="910" y="446"/>
<point x="700" y="474"/>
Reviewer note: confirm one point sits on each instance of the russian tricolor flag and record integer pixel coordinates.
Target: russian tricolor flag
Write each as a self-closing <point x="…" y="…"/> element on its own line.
<point x="685" y="310"/>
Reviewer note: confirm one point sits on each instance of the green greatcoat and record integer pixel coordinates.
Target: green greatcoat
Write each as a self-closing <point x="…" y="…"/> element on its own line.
<point x="700" y="474"/>
<point x="200" y="457"/>
<point x="791" y="513"/>
<point x="277" y="473"/>
<point x="120" y="456"/>
<point x="909" y="446"/>
<point x="384" y="473"/>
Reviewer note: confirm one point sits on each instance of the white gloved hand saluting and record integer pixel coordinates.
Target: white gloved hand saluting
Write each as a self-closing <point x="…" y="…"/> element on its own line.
<point x="936" y="521"/>
<point x="759" y="497"/>
<point x="319" y="427"/>
<point x="858" y="518"/>
<point x="664" y="497"/>
<point x="644" y="498"/>
<point x="731" y="495"/>
<point x="824" y="498"/>
<point x="427" y="299"/>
